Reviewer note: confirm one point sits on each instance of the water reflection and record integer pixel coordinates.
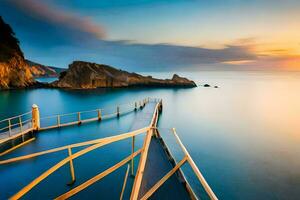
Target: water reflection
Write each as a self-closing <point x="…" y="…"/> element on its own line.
<point x="244" y="136"/>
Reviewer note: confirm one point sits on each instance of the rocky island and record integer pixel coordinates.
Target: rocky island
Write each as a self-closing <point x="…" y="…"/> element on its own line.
<point x="86" y="75"/>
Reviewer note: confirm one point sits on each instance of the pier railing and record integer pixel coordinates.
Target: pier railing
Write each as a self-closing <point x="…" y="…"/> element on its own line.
<point x="149" y="131"/>
<point x="11" y="126"/>
<point x="68" y="119"/>
<point x="17" y="126"/>
<point x="177" y="167"/>
<point x="92" y="145"/>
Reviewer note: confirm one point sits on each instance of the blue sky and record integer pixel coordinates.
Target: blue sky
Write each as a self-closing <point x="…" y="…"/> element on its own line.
<point x="160" y="35"/>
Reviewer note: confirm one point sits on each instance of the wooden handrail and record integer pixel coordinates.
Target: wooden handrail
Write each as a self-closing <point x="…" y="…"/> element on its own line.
<point x="36" y="181"/>
<point x="143" y="158"/>
<point x="79" y="120"/>
<point x="16" y="135"/>
<point x="199" y="175"/>
<point x="94" y="145"/>
<point x="163" y="179"/>
<point x="80" y="144"/>
<point x="97" y="143"/>
<point x="10" y="125"/>
<point x="141" y="167"/>
<point x="97" y="177"/>
<point x="15" y="147"/>
<point x="14" y="117"/>
<point x="125" y="181"/>
<point x="86" y="111"/>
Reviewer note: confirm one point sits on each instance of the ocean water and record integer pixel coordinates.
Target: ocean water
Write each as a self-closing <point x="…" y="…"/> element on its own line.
<point x="244" y="136"/>
<point x="46" y="79"/>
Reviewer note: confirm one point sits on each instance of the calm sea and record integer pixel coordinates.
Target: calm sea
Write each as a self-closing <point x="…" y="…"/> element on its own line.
<point x="244" y="135"/>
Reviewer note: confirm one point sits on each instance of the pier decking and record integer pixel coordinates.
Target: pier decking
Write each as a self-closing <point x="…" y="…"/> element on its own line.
<point x="148" y="163"/>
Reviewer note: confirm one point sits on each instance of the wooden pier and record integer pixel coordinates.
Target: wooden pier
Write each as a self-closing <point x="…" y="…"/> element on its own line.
<point x="151" y="164"/>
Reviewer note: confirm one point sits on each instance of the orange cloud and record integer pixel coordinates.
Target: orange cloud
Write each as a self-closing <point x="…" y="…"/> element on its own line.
<point x="291" y="63"/>
<point x="270" y="56"/>
<point x="238" y="62"/>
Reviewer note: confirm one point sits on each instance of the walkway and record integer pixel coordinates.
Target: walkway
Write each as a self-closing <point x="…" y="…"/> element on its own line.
<point x="13" y="178"/>
<point x="85" y="163"/>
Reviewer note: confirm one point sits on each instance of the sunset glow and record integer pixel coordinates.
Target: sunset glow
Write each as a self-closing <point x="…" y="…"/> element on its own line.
<point x="260" y="33"/>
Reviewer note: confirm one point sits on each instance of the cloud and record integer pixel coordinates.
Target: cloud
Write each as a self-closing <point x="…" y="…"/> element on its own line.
<point x="42" y="11"/>
<point x="149" y="57"/>
<point x="53" y="36"/>
<point x="238" y="62"/>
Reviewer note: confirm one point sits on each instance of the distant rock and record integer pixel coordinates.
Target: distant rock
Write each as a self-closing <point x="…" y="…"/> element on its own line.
<point x="39" y="70"/>
<point x="216" y="86"/>
<point x="86" y="75"/>
<point x="206" y="85"/>
<point x="14" y="71"/>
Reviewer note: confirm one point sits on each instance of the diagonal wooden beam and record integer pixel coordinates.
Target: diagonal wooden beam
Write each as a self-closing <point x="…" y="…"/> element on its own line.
<point x="125" y="182"/>
<point x="36" y="181"/>
<point x="164" y="179"/>
<point x="194" y="167"/>
<point x="91" y="142"/>
<point x="141" y="167"/>
<point x="17" y="146"/>
<point x="94" y="145"/>
<point x="98" y="177"/>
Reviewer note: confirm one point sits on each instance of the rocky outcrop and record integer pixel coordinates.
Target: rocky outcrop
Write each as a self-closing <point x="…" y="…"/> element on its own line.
<point x="39" y="70"/>
<point x="85" y="75"/>
<point x="14" y="71"/>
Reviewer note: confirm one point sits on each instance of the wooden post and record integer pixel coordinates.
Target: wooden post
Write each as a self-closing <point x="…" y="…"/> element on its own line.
<point x="20" y="123"/>
<point x="160" y="107"/>
<point x="35" y="117"/>
<point x="21" y="128"/>
<point x="124" y="183"/>
<point x="118" y="111"/>
<point x="99" y="115"/>
<point x="79" y="118"/>
<point x="58" y="121"/>
<point x="135" y="106"/>
<point x="71" y="167"/>
<point x="9" y="127"/>
<point x="132" y="160"/>
<point x="141" y="105"/>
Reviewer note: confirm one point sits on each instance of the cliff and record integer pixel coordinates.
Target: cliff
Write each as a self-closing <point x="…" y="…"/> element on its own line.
<point x="14" y="71"/>
<point x="85" y="75"/>
<point x="39" y="70"/>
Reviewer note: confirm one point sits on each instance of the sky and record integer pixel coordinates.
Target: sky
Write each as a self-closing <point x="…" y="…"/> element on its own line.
<point x="159" y="35"/>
